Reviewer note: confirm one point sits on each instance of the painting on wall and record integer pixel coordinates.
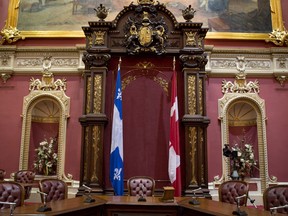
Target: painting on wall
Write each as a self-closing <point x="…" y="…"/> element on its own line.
<point x="242" y="19"/>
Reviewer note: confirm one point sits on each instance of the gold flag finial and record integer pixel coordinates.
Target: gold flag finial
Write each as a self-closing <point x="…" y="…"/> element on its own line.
<point x="174" y="61"/>
<point x="119" y="63"/>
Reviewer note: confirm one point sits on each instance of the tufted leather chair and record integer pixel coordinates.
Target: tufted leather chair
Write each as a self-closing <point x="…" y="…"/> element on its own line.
<point x="2" y="174"/>
<point x="11" y="192"/>
<point x="275" y="196"/>
<point x="141" y="186"/>
<point x="229" y="190"/>
<point x="25" y="177"/>
<point x="55" y="189"/>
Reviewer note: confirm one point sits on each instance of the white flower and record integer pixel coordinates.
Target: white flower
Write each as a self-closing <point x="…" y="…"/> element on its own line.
<point x="46" y="157"/>
<point x="43" y="143"/>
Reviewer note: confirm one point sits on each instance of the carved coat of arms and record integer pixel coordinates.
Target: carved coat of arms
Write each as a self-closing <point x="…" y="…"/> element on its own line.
<point x="144" y="34"/>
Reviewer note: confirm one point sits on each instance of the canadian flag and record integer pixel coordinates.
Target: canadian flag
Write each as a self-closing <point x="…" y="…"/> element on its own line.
<point x="174" y="144"/>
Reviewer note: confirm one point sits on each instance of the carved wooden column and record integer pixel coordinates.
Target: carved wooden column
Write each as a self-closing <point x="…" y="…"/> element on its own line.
<point x="94" y="118"/>
<point x="195" y="120"/>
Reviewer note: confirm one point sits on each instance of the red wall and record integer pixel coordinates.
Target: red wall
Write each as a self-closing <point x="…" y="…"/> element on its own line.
<point x="276" y="103"/>
<point x="11" y="95"/>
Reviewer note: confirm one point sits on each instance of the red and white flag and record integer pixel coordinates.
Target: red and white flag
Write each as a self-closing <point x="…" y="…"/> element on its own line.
<point x="174" y="143"/>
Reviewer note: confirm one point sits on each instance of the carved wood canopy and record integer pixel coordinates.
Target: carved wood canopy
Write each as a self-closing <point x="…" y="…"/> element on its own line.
<point x="145" y="32"/>
<point x="146" y="28"/>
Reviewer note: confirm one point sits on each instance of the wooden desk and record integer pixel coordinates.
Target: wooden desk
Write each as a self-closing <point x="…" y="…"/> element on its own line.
<point x="210" y="207"/>
<point x="73" y="206"/>
<point x="129" y="206"/>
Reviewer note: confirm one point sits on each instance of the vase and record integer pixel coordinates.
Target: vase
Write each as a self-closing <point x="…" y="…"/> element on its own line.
<point x="46" y="171"/>
<point x="234" y="175"/>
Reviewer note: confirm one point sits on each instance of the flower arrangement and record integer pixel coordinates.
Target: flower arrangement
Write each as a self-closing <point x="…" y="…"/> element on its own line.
<point x="242" y="158"/>
<point x="46" y="157"/>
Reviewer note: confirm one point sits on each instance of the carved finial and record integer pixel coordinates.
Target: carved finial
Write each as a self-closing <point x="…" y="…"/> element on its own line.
<point x="101" y="12"/>
<point x="188" y="13"/>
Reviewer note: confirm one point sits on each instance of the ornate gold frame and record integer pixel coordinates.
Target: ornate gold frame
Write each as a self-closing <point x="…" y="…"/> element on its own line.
<point x="276" y="16"/>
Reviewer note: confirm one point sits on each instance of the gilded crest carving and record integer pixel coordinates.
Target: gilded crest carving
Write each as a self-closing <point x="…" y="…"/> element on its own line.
<point x="99" y="37"/>
<point x="145" y="32"/>
<point x="240" y="85"/>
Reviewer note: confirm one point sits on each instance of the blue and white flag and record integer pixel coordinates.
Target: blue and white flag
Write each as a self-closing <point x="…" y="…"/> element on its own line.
<point x="116" y="153"/>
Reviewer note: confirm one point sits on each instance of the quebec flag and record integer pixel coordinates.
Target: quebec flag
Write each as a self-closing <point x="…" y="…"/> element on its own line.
<point x="116" y="153"/>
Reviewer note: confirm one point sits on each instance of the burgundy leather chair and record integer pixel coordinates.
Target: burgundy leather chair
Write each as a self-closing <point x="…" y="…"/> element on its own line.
<point x="276" y="196"/>
<point x="11" y="192"/>
<point x="25" y="177"/>
<point x="55" y="189"/>
<point x="141" y="186"/>
<point x="2" y="174"/>
<point x="229" y="190"/>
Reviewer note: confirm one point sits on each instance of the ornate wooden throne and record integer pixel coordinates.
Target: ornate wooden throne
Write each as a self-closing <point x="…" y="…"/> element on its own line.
<point x="147" y="37"/>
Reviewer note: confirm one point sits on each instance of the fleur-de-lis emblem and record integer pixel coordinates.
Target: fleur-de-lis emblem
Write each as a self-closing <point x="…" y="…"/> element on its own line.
<point x="117" y="174"/>
<point x="119" y="94"/>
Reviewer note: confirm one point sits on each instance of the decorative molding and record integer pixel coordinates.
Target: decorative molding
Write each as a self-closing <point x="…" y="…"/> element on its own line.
<point x="224" y="62"/>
